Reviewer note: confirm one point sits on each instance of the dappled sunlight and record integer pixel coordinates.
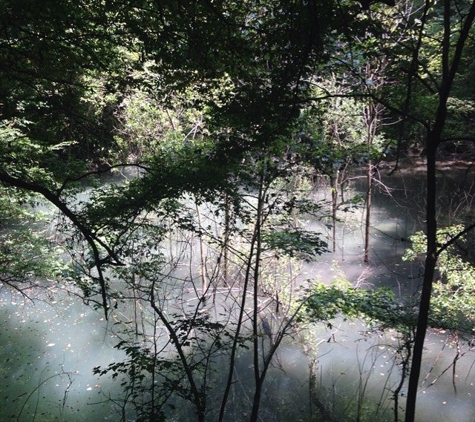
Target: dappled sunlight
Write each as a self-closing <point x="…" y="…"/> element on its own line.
<point x="49" y="351"/>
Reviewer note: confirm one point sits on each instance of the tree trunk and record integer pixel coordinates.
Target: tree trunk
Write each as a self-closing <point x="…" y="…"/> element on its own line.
<point x="334" y="191"/>
<point x="369" y="176"/>
<point x="204" y="280"/>
<point x="434" y="138"/>
<point x="424" y="305"/>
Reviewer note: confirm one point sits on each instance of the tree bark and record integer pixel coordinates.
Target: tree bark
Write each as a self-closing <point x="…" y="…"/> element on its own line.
<point x="424" y="305"/>
<point x="369" y="182"/>
<point x="434" y="138"/>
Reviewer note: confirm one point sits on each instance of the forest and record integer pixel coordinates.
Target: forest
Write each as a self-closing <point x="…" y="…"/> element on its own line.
<point x="221" y="210"/>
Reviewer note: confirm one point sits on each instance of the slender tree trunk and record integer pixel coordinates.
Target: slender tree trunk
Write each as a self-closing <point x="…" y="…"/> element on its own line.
<point x="424" y="305"/>
<point x="135" y="299"/>
<point x="255" y="242"/>
<point x="450" y="65"/>
<point x="197" y="398"/>
<point x="227" y="229"/>
<point x="334" y="191"/>
<point x="204" y="281"/>
<point x="369" y="182"/>
<point x="257" y="373"/>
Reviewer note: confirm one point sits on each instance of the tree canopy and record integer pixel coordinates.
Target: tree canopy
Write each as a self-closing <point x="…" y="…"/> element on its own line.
<point x="146" y="120"/>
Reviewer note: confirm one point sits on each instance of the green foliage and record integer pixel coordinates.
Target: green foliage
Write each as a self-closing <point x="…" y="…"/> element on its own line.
<point x="32" y="161"/>
<point x="218" y="103"/>
<point x="378" y="307"/>
<point x="451" y="304"/>
<point x="154" y="380"/>
<point x="47" y="54"/>
<point x="297" y="243"/>
<point x="152" y="126"/>
<point x="452" y="299"/>
<point x="29" y="254"/>
<point x="335" y="133"/>
<point x="136" y="369"/>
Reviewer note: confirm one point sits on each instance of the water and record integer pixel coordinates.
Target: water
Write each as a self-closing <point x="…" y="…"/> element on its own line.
<point x="344" y="356"/>
<point x="49" y="348"/>
<point x="48" y="352"/>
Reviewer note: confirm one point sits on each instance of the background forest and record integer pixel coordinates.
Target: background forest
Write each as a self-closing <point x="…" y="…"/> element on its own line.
<point x="191" y="174"/>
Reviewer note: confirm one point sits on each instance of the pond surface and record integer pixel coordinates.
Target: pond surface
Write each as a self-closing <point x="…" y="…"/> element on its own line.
<point x="345" y="356"/>
<point x="49" y="349"/>
<point x="48" y="352"/>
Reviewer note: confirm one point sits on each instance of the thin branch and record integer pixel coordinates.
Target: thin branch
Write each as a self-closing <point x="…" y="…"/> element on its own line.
<point x="451" y="241"/>
<point x="91" y="239"/>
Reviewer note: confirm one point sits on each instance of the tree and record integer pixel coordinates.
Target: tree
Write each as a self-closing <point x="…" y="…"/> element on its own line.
<point x="447" y="68"/>
<point x="423" y="101"/>
<point x="78" y="78"/>
<point x="68" y="70"/>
